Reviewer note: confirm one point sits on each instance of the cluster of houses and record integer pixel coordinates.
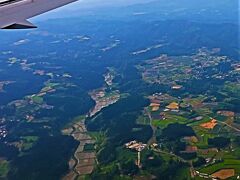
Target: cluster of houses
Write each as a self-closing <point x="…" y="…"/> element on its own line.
<point x="109" y="79"/>
<point x="134" y="145"/>
<point x="29" y="117"/>
<point x="3" y="130"/>
<point x="157" y="98"/>
<point x="102" y="101"/>
<point x="138" y="146"/>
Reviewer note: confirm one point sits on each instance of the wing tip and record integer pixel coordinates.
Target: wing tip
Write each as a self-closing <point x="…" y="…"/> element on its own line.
<point x="20" y="25"/>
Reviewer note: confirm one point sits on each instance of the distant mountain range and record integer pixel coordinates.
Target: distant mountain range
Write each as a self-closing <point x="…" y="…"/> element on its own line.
<point x="105" y="3"/>
<point x="200" y="10"/>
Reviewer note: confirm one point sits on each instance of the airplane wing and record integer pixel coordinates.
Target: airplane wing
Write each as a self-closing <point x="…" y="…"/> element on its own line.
<point x="14" y="13"/>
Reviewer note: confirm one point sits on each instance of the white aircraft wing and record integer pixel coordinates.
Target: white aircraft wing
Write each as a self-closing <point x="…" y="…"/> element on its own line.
<point x="14" y="13"/>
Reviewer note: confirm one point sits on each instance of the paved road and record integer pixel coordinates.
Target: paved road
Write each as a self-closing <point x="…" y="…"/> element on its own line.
<point x="153" y="138"/>
<point x="230" y="126"/>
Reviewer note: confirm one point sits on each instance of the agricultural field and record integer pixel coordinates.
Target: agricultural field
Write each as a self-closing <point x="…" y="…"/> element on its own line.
<point x="210" y="129"/>
<point x="4" y="168"/>
<point x="141" y="91"/>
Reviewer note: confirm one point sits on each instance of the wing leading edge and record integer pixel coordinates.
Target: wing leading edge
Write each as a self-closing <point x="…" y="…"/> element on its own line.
<point x="14" y="13"/>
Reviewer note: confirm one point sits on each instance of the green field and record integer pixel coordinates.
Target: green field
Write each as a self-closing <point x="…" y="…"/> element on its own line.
<point x="100" y="139"/>
<point x="170" y="119"/>
<point x="28" y="142"/>
<point x="4" y="168"/>
<point x="227" y="163"/>
<point x="37" y="99"/>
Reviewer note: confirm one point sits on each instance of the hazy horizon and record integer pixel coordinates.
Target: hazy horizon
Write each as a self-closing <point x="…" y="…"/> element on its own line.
<point x="87" y="5"/>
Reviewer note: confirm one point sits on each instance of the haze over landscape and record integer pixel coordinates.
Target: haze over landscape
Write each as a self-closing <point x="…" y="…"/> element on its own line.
<point x="124" y="89"/>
